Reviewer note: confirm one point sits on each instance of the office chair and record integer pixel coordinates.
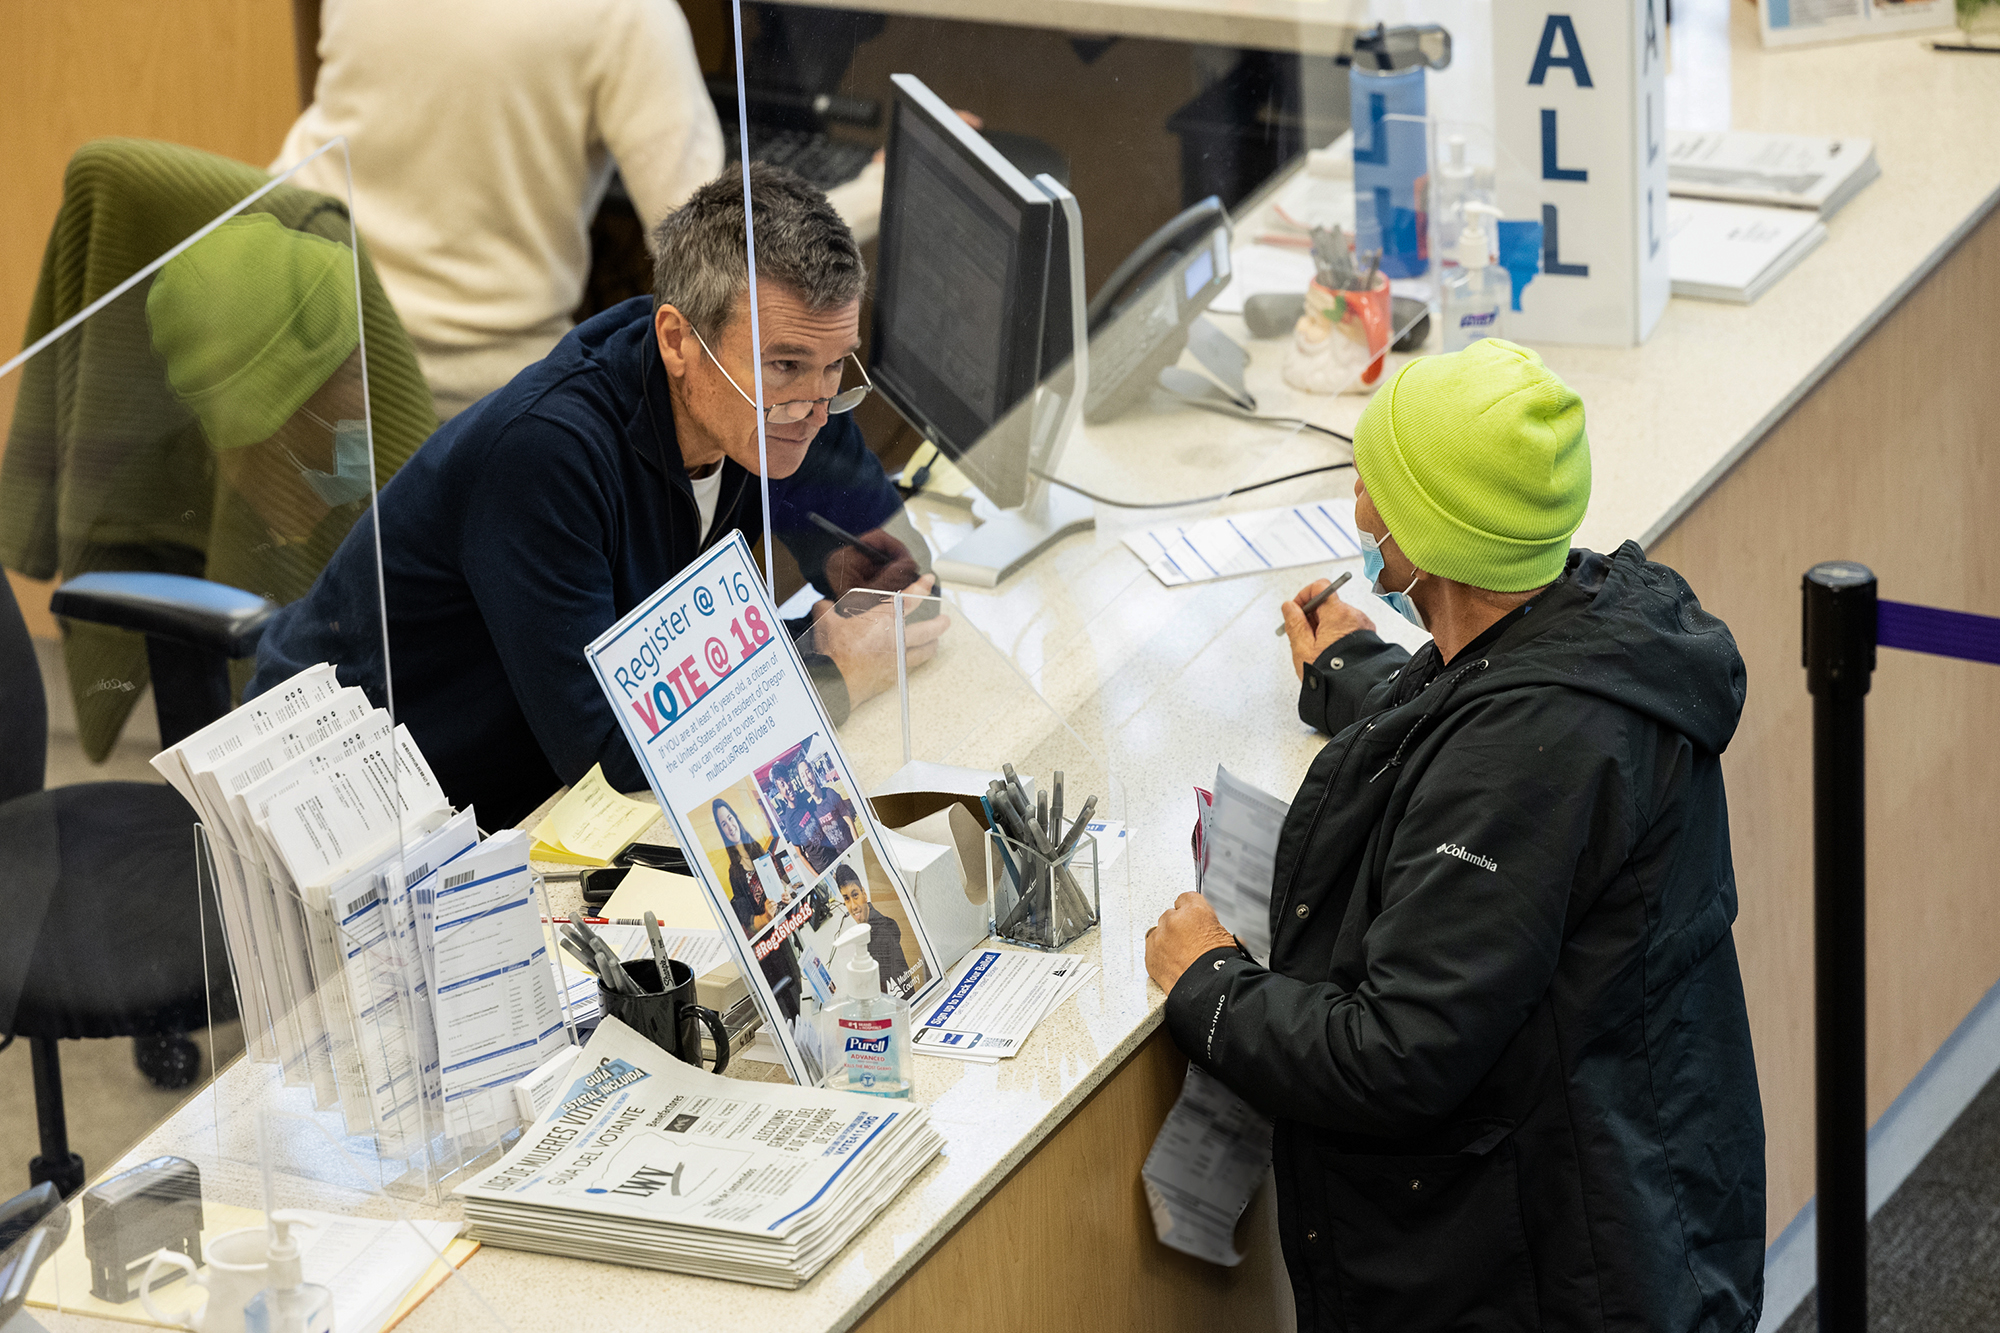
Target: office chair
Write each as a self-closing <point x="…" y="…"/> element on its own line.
<point x="109" y="931"/>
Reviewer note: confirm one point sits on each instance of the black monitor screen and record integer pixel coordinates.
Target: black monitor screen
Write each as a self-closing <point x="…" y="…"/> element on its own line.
<point x="963" y="268"/>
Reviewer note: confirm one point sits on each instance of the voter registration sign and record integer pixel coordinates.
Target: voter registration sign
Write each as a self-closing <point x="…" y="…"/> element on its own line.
<point x="741" y="753"/>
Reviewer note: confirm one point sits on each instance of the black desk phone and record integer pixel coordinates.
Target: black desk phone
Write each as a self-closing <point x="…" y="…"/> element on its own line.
<point x="1139" y="319"/>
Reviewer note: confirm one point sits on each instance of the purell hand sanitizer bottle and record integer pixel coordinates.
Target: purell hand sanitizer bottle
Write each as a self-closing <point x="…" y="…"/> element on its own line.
<point x="1476" y="289"/>
<point x="866" y="1034"/>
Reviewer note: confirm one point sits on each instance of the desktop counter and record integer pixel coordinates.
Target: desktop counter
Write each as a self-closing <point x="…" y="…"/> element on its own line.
<point x="1836" y="417"/>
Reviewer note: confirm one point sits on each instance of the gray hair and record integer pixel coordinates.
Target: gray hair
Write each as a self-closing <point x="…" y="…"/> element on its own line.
<point x="699" y="261"/>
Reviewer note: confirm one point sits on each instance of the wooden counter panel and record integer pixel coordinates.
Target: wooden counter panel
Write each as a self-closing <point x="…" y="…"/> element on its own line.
<point x="1891" y="460"/>
<point x="1067" y="1243"/>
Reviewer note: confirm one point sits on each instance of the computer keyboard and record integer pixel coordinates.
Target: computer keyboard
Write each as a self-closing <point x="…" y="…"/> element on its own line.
<point x="818" y="157"/>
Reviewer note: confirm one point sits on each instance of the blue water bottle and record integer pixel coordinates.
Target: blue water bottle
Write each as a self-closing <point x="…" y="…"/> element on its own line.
<point x="1391" y="168"/>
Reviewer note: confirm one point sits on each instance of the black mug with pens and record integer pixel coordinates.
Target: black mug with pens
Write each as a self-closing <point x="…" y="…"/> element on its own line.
<point x="668" y="1017"/>
<point x="655" y="996"/>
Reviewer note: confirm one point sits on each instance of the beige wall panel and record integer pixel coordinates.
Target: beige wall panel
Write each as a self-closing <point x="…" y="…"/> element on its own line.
<point x="215" y="74"/>
<point x="1066" y="1242"/>
<point x="1891" y="460"/>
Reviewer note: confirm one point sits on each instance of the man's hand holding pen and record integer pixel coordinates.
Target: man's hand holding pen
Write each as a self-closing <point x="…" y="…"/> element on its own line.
<point x="876" y="560"/>
<point x="1315" y="620"/>
<point x="863" y="644"/>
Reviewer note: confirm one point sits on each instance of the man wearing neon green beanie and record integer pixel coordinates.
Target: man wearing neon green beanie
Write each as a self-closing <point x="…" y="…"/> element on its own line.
<point x="1500" y="1028"/>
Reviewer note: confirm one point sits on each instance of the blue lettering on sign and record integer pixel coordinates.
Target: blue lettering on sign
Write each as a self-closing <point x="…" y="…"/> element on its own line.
<point x="1551" y="249"/>
<point x="964" y="988"/>
<point x="1571" y="59"/>
<point x="1550" y="171"/>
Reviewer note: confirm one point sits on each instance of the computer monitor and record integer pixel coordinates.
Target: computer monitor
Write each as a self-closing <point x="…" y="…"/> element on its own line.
<point x="979" y="324"/>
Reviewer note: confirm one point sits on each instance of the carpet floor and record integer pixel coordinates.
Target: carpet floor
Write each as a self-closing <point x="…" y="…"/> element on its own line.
<point x="1934" y="1247"/>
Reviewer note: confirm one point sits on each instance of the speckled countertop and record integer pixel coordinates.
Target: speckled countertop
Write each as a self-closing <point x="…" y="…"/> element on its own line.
<point x="1084" y="662"/>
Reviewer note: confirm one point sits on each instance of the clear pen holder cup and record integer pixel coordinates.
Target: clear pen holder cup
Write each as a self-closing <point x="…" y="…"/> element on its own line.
<point x="1038" y="901"/>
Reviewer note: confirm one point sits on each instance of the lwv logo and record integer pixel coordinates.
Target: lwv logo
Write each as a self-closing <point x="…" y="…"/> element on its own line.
<point x="648" y="1180"/>
<point x="1470" y="858"/>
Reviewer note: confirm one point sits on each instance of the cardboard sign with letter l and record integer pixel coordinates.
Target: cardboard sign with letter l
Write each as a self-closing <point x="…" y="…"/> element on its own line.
<point x="1579" y="100"/>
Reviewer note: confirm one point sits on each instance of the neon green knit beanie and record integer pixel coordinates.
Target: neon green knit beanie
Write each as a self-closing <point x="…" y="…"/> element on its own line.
<point x="251" y="320"/>
<point x="1477" y="462"/>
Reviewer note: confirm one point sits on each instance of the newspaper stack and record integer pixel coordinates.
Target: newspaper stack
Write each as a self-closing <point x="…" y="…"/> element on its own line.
<point x="649" y="1161"/>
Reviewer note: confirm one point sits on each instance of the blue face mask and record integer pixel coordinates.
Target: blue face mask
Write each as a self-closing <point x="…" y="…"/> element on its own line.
<point x="351" y="478"/>
<point x="1371" y="569"/>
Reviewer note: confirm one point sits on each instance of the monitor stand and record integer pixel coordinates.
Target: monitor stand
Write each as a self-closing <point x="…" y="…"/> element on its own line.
<point x="1008" y="540"/>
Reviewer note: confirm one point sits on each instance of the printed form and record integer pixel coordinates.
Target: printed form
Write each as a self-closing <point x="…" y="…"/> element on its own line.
<point x="1241" y="826"/>
<point x="994" y="1001"/>
<point x="1206" y="1163"/>
<point x="498" y="1015"/>
<point x="1220" y="548"/>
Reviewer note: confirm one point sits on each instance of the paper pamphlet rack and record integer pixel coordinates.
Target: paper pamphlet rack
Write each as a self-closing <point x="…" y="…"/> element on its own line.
<point x="347" y="993"/>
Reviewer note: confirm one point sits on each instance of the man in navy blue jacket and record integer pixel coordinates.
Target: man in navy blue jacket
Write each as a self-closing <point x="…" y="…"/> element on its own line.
<point x="527" y="525"/>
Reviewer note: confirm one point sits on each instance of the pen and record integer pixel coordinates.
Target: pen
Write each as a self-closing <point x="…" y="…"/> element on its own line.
<point x="993" y="822"/>
<point x="1076" y="829"/>
<point x="1055" y="805"/>
<point x="1014" y="782"/>
<point x="613" y="972"/>
<point x="659" y="952"/>
<point x="832" y="529"/>
<point x="610" y="974"/>
<point x="592" y="921"/>
<point x="1320" y="596"/>
<point x="581" y="955"/>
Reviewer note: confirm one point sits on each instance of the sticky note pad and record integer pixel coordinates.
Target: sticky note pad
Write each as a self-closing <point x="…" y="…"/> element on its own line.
<point x="591" y="824"/>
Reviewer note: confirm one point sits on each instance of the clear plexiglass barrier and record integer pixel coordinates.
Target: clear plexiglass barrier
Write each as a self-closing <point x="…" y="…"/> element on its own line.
<point x="214" y="388"/>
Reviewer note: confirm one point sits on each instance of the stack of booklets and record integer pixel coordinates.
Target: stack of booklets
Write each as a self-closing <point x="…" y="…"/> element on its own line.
<point x="648" y="1161"/>
<point x="1734" y="252"/>
<point x="384" y="955"/>
<point x="1747" y="207"/>
<point x="1777" y="170"/>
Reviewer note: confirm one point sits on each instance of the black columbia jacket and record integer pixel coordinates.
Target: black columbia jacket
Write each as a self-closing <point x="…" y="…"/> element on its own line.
<point x="1502" y="1035"/>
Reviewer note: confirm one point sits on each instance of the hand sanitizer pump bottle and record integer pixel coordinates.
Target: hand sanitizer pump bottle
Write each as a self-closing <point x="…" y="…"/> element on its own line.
<point x="1475" y="290"/>
<point x="866" y="1033"/>
<point x="290" y="1304"/>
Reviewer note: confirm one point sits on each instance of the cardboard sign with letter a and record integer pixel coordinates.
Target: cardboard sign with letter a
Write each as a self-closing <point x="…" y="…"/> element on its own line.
<point x="1579" y="96"/>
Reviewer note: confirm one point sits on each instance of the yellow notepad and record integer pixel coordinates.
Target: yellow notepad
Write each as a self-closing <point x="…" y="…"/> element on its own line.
<point x="591" y="824"/>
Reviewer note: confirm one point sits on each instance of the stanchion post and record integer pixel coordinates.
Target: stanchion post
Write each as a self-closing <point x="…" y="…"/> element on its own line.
<point x="1840" y="662"/>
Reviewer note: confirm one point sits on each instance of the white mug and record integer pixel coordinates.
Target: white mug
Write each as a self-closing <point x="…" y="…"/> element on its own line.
<point x="233" y="1275"/>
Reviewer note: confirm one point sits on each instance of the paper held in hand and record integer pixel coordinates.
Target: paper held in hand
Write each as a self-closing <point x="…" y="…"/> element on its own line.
<point x="1206" y="1163"/>
<point x="1214" y="1147"/>
<point x="1239" y="835"/>
<point x="741" y="754"/>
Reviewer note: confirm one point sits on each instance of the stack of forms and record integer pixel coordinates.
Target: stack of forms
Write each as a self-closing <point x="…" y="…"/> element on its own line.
<point x="384" y="956"/>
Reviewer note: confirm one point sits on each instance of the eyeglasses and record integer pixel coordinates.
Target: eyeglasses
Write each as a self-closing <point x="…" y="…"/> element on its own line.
<point x="784" y="414"/>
